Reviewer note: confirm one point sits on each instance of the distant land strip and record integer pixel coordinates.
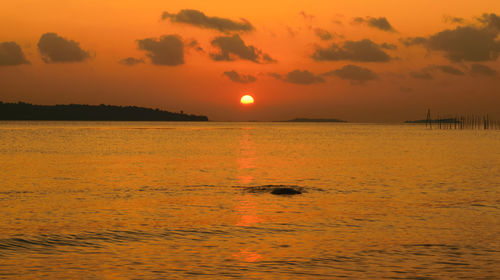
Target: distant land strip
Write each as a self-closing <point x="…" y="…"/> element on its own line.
<point x="447" y="120"/>
<point x="78" y="112"/>
<point x="314" y="120"/>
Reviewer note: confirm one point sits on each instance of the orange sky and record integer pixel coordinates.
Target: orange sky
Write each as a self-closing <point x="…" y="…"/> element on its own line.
<point x="109" y="32"/>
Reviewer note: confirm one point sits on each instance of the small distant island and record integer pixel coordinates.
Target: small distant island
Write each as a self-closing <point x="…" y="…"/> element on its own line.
<point x="448" y="120"/>
<point x="78" y="112"/>
<point x="314" y="120"/>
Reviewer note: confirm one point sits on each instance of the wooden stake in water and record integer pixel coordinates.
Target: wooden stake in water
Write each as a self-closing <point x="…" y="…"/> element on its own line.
<point x="428" y="119"/>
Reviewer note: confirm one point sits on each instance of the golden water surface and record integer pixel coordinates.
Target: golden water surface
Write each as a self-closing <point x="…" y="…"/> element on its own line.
<point x="113" y="200"/>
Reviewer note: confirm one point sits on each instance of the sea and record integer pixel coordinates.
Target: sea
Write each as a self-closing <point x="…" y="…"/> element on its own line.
<point x="180" y="200"/>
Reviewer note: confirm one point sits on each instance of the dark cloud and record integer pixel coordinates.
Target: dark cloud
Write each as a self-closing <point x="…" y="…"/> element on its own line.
<point x="388" y="46"/>
<point x="306" y="15"/>
<point x="423" y="75"/>
<point x="302" y="77"/>
<point x="168" y="50"/>
<point x="482" y="70"/>
<point x="466" y="43"/>
<point x="412" y="41"/>
<point x="336" y="21"/>
<point x="233" y="46"/>
<point x="292" y="32"/>
<point x="268" y="59"/>
<point x="353" y="73"/>
<point x="364" y="50"/>
<point x="193" y="44"/>
<point x="275" y="75"/>
<point x="380" y="23"/>
<point x="451" y="19"/>
<point x="426" y="73"/>
<point x="490" y="20"/>
<point x="449" y="70"/>
<point x="235" y="77"/>
<point x="11" y="54"/>
<point x="323" y="34"/>
<point x="131" y="61"/>
<point x="54" y="49"/>
<point x="199" y="19"/>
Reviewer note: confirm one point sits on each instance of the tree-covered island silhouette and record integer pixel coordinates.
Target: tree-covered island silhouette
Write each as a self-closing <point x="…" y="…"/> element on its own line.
<point x="79" y="112"/>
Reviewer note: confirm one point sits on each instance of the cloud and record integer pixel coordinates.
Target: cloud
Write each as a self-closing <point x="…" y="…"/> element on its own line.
<point x="323" y="34"/>
<point x="337" y="21"/>
<point x="199" y="19"/>
<point x="275" y="75"/>
<point x="306" y="15"/>
<point x="292" y="32"/>
<point x="55" y="49"/>
<point x="449" y="70"/>
<point x="412" y="41"/>
<point x="482" y="70"/>
<point x="452" y="19"/>
<point x="490" y="20"/>
<point x="380" y="23"/>
<point x="235" y="77"/>
<point x="353" y="73"/>
<point x="364" y="50"/>
<point x="168" y="50"/>
<point x="465" y="43"/>
<point x="423" y="75"/>
<point x="268" y="59"/>
<point x="11" y="54"/>
<point x="193" y="44"/>
<point x="131" y="61"/>
<point x="302" y="77"/>
<point x="426" y="73"/>
<point x="388" y="46"/>
<point x="233" y="46"/>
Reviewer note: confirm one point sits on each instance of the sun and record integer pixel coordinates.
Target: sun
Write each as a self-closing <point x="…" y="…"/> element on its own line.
<point x="246" y="100"/>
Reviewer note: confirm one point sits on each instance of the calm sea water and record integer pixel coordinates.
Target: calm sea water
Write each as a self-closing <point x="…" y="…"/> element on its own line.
<point x="93" y="200"/>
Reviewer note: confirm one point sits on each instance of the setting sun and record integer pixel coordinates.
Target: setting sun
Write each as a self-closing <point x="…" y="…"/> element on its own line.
<point x="246" y="99"/>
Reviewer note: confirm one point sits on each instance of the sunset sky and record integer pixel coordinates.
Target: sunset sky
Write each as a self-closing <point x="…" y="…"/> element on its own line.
<point x="363" y="61"/>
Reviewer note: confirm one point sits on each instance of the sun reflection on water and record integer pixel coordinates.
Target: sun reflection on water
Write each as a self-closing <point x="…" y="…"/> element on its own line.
<point x="246" y="157"/>
<point x="247" y="211"/>
<point x="247" y="256"/>
<point x="246" y="207"/>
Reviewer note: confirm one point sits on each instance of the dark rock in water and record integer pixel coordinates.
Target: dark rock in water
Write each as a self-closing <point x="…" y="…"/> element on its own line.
<point x="276" y="189"/>
<point x="285" y="191"/>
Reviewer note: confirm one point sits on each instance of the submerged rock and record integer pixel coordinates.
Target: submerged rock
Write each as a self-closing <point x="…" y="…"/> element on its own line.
<point x="275" y="189"/>
<point x="285" y="191"/>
